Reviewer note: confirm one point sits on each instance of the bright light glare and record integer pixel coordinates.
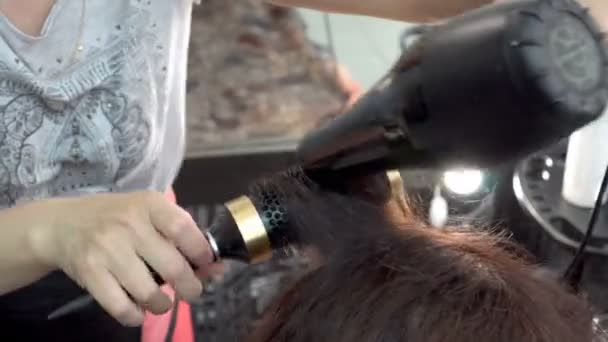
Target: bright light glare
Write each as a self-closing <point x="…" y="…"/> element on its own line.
<point x="463" y="182"/>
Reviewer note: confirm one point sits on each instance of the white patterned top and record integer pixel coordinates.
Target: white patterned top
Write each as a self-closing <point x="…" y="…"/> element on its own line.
<point x="111" y="121"/>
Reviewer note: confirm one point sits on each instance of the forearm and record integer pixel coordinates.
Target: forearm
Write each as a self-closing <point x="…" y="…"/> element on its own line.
<point x="19" y="266"/>
<point x="406" y="10"/>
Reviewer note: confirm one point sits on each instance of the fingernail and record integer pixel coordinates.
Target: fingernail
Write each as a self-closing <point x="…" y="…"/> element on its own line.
<point x="164" y="302"/>
<point x="159" y="304"/>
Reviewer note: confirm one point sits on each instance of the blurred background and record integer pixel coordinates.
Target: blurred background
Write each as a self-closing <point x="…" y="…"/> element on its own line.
<point x="261" y="76"/>
<point x="365" y="46"/>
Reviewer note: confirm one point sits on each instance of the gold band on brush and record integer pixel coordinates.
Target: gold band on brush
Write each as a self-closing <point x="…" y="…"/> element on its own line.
<point x="251" y="227"/>
<point x="396" y="182"/>
<point x="398" y="192"/>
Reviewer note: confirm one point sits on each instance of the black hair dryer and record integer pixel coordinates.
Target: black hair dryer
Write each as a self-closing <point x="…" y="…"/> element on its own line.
<point x="490" y="86"/>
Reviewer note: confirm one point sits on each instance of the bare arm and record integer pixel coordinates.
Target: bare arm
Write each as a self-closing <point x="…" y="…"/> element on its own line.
<point x="19" y="265"/>
<point x="406" y="10"/>
<point x="419" y="10"/>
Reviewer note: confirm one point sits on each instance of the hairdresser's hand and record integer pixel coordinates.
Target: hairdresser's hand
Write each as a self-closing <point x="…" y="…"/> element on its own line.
<point x="103" y="242"/>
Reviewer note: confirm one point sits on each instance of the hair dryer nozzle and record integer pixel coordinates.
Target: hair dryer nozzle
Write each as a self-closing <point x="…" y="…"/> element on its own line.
<point x="369" y="135"/>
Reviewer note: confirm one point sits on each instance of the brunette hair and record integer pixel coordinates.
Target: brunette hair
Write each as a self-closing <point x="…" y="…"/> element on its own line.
<point x="390" y="278"/>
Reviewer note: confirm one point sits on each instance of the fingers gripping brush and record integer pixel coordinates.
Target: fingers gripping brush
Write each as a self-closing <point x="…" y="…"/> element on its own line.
<point x="247" y="229"/>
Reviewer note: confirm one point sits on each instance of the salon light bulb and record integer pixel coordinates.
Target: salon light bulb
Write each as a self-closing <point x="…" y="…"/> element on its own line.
<point x="463" y="182"/>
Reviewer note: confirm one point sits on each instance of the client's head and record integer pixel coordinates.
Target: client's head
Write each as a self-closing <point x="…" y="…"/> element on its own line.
<point x="386" y="280"/>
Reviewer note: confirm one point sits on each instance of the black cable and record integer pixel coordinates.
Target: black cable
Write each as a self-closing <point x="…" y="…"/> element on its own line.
<point x="173" y="322"/>
<point x="574" y="273"/>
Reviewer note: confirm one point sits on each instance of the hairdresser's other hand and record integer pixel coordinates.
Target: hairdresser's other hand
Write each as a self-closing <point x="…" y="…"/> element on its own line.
<point x="104" y="241"/>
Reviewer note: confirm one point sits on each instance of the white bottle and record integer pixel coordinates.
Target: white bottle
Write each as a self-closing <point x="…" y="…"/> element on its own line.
<point x="586" y="163"/>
